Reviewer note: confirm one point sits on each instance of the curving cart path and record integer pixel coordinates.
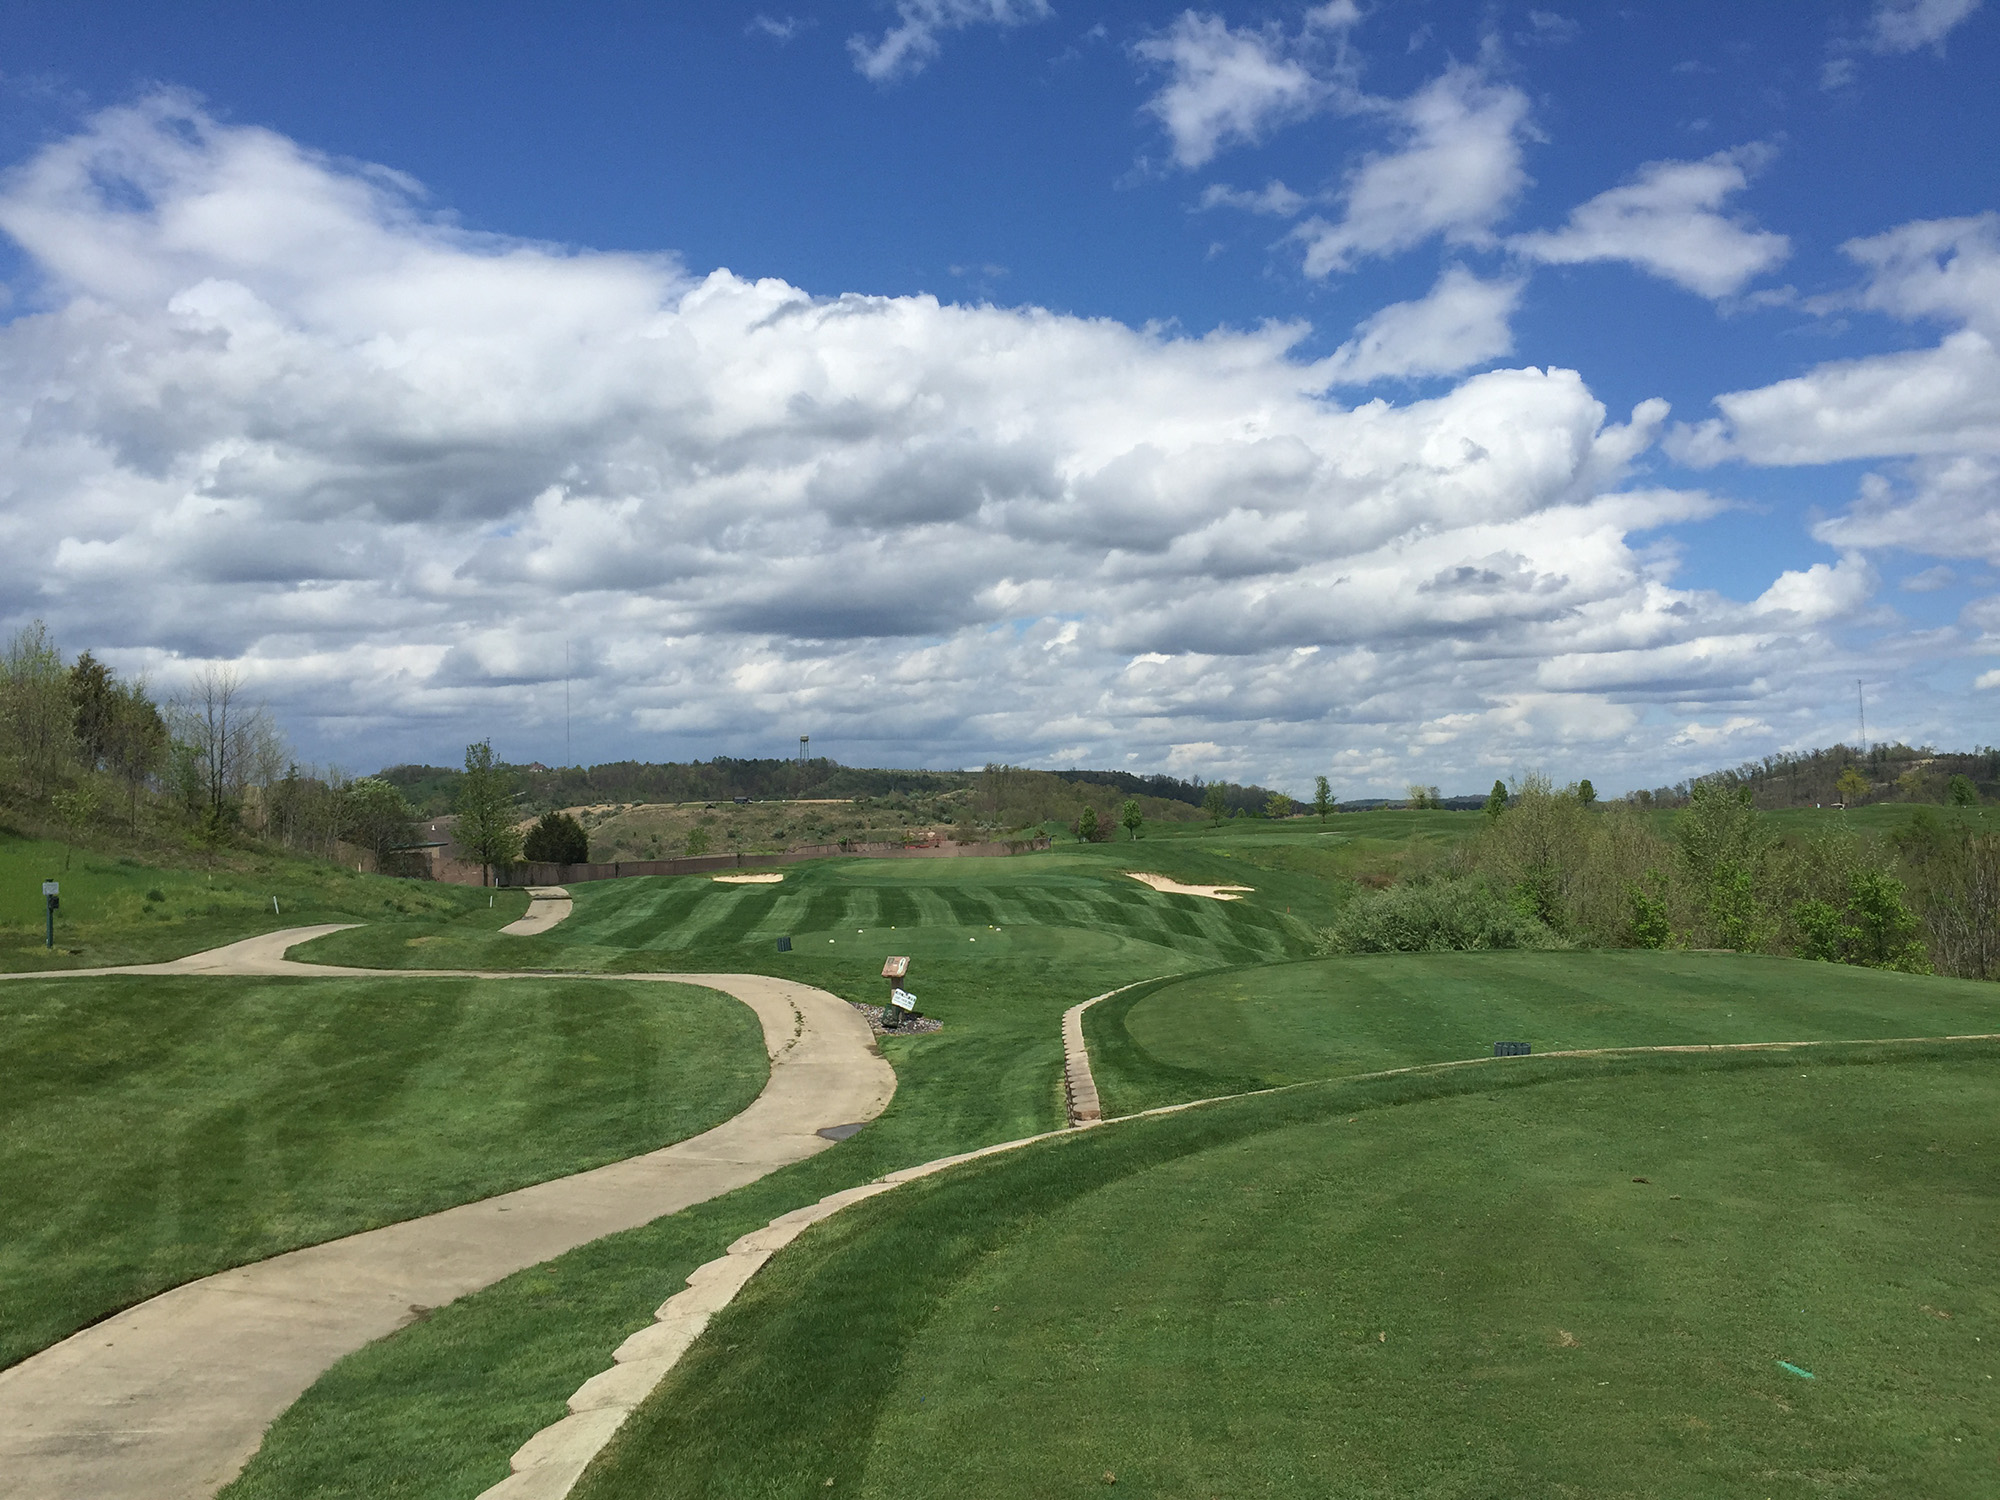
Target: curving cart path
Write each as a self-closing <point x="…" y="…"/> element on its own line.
<point x="169" y="1399"/>
<point x="547" y="905"/>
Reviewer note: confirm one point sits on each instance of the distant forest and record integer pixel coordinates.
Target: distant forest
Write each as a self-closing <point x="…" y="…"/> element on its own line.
<point x="431" y="790"/>
<point x="1893" y="773"/>
<point x="1811" y="778"/>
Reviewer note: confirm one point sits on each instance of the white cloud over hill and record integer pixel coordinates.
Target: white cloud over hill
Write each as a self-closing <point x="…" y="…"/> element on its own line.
<point x="269" y="410"/>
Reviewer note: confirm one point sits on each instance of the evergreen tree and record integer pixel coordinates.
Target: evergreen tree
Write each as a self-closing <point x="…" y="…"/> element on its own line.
<point x="558" y="839"/>
<point x="1496" y="800"/>
<point x="1322" y="797"/>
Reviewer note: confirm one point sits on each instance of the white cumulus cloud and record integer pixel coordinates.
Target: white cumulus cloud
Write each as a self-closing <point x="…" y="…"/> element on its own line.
<point x="1464" y="321"/>
<point x="265" y="408"/>
<point x="1455" y="171"/>
<point x="1667" y="220"/>
<point x="1225" y="85"/>
<point x="1933" y="402"/>
<point x="1944" y="507"/>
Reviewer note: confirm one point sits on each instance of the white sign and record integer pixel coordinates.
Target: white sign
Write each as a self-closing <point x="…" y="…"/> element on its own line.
<point x="51" y="888"/>
<point x="902" y="999"/>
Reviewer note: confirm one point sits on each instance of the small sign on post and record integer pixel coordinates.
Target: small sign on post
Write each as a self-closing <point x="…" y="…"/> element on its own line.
<point x="52" y="895"/>
<point x="901" y="1001"/>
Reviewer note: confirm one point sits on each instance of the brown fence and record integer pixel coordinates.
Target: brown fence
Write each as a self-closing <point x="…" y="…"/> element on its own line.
<point x="537" y="873"/>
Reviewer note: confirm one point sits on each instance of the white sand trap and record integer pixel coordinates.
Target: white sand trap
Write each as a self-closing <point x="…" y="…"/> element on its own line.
<point x="747" y="879"/>
<point x="1175" y="888"/>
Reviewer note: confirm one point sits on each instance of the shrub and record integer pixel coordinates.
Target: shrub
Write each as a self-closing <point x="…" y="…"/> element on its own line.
<point x="1649" y="925"/>
<point x="1876" y="929"/>
<point x="558" y="839"/>
<point x="1442" y="917"/>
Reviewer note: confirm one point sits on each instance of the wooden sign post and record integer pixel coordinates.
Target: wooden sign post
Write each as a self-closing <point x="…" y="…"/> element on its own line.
<point x="900" y="999"/>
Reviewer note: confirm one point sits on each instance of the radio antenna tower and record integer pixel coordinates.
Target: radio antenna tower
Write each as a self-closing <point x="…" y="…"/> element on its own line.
<point x="1861" y="707"/>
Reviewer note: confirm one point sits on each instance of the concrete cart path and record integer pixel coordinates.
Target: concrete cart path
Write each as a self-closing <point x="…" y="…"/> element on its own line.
<point x="169" y="1399"/>
<point x="547" y="905"/>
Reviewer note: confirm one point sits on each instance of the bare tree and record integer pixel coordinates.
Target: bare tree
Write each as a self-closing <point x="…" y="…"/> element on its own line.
<point x="227" y="735"/>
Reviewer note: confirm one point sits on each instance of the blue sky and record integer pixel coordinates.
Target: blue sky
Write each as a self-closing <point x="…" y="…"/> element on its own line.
<point x="955" y="466"/>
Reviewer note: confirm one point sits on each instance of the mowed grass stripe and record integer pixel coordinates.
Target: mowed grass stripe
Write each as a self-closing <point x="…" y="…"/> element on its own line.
<point x="156" y="1129"/>
<point x="1443" y="1282"/>
<point x="648" y="916"/>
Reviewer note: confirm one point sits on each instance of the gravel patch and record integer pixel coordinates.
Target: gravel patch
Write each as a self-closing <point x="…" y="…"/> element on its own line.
<point x="910" y="1024"/>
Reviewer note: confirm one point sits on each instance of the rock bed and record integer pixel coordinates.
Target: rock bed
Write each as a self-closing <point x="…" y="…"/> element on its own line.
<point x="911" y="1025"/>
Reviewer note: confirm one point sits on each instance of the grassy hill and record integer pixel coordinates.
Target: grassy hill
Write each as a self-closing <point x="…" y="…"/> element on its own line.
<point x="117" y="909"/>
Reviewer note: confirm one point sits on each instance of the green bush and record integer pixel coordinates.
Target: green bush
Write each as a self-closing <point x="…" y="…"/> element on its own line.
<point x="558" y="839"/>
<point x="1441" y="917"/>
<point x="1877" y="930"/>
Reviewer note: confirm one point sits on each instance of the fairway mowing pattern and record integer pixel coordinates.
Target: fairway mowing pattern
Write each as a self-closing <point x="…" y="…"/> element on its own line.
<point x="1033" y="900"/>
<point x="1048" y="905"/>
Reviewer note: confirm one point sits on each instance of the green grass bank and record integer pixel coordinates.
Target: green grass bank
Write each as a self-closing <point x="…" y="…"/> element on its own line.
<point x="154" y="1130"/>
<point x="1220" y="1033"/>
<point x="1442" y="1285"/>
<point x="121" y="910"/>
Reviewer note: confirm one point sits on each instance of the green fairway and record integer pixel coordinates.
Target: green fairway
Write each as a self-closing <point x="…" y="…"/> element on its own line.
<point x="1212" y="1034"/>
<point x="153" y="1130"/>
<point x="434" y="1410"/>
<point x="1073" y="905"/>
<point x="126" y="911"/>
<point x="1446" y="1285"/>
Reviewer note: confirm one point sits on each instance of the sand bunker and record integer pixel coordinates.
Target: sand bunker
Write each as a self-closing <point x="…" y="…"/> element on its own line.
<point x="748" y="879"/>
<point x="1175" y="888"/>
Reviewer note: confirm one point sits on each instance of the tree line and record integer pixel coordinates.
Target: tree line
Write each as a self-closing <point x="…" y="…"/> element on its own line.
<point x="1842" y="775"/>
<point x="1551" y="870"/>
<point x="434" y="790"/>
<point x="87" y="752"/>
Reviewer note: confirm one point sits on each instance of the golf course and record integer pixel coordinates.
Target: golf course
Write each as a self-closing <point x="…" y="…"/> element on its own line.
<point x="1730" y="1229"/>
